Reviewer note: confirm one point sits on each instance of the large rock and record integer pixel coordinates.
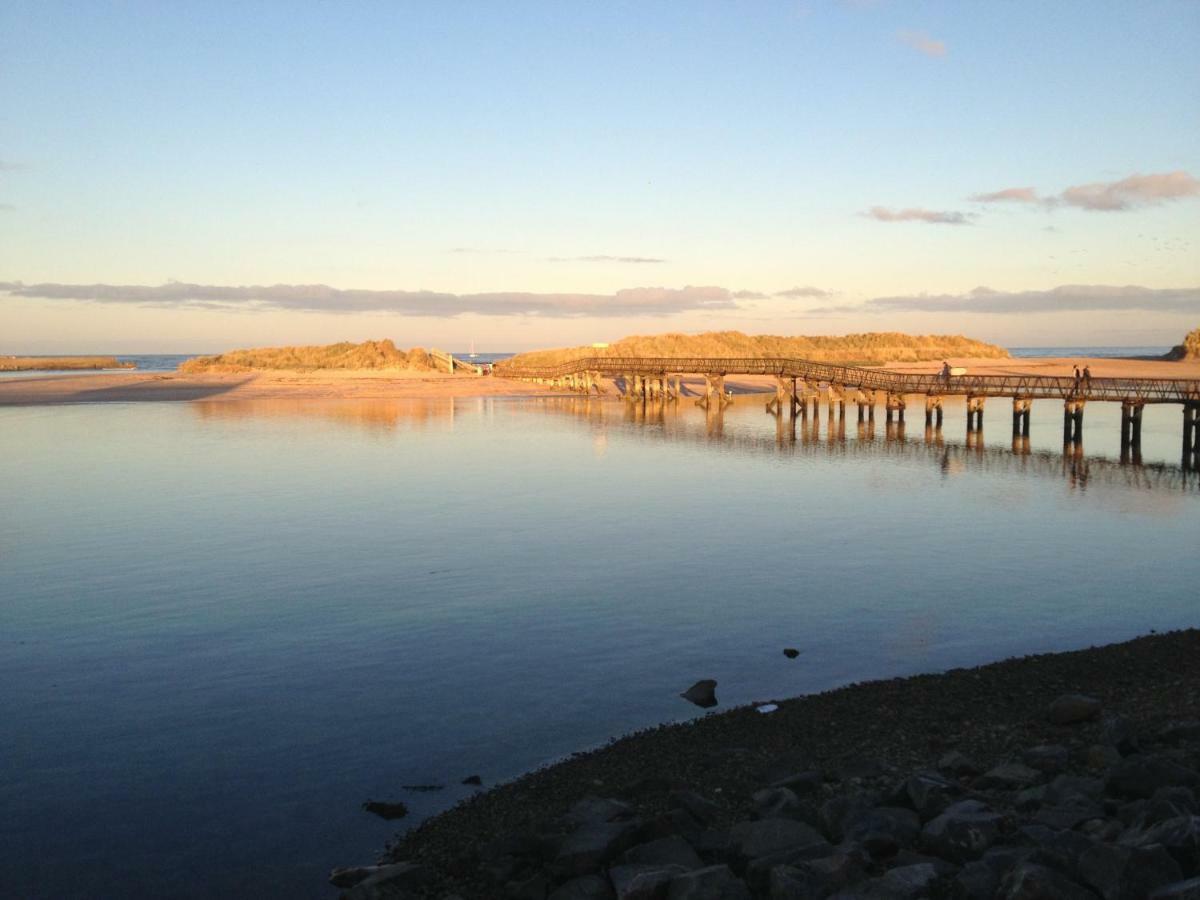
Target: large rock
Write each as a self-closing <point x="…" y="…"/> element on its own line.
<point x="778" y="803"/>
<point x="1181" y="890"/>
<point x="591" y="846"/>
<point x="642" y="881"/>
<point x="1029" y="881"/>
<point x="884" y="830"/>
<point x="703" y="693"/>
<point x="667" y="851"/>
<point x="840" y="809"/>
<point x="1180" y="836"/>
<point x="930" y="793"/>
<point x="598" y="809"/>
<point x="402" y="874"/>
<point x="1119" y="732"/>
<point x="1048" y="758"/>
<point x="1127" y="873"/>
<point x="1071" y="708"/>
<point x="586" y="887"/>
<point x="712" y="883"/>
<point x="963" y="832"/>
<point x="1140" y="776"/>
<point x="815" y="877"/>
<point x="750" y="840"/>
<point x="388" y="881"/>
<point x="1008" y="777"/>
<point x="901" y="883"/>
<point x="700" y="808"/>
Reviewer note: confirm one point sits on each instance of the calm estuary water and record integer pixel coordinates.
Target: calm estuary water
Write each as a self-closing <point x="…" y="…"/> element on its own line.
<point x="224" y="625"/>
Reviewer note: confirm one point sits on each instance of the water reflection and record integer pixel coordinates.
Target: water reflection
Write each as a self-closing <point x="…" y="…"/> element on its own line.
<point x="803" y="435"/>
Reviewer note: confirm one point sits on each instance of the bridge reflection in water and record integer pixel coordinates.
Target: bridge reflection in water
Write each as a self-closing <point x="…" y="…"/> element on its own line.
<point x="794" y="436"/>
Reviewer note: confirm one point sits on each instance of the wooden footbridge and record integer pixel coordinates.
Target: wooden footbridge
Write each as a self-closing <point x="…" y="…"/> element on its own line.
<point x="799" y="383"/>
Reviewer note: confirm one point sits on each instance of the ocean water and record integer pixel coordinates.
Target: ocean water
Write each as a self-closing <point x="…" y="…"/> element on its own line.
<point x="1085" y="352"/>
<point x="225" y="625"/>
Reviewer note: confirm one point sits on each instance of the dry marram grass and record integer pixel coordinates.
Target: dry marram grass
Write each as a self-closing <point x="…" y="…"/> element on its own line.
<point x="34" y="363"/>
<point x="874" y="348"/>
<point x="367" y="355"/>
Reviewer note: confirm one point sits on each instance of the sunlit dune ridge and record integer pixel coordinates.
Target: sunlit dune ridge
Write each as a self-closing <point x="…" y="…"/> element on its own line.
<point x="47" y="363"/>
<point x="874" y="348"/>
<point x="1189" y="349"/>
<point x="367" y="355"/>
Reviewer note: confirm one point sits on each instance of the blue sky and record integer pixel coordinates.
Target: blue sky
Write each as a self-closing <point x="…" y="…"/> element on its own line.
<point x="583" y="153"/>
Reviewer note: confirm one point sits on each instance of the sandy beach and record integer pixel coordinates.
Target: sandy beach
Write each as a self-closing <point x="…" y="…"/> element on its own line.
<point x="400" y="385"/>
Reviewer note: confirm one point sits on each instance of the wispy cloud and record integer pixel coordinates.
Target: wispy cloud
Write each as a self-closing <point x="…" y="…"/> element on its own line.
<point x="6" y="207"/>
<point x="482" y="251"/>
<point x="916" y="214"/>
<point x="796" y="293"/>
<point x="642" y="301"/>
<point x="600" y="258"/>
<point x="7" y="165"/>
<point x="1064" y="298"/>
<point x="1132" y="192"/>
<point x="1008" y="195"/>
<point x="922" y="43"/>
<point x="749" y="295"/>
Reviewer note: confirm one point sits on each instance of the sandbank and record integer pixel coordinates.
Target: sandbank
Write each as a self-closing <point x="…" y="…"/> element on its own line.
<point x="403" y="384"/>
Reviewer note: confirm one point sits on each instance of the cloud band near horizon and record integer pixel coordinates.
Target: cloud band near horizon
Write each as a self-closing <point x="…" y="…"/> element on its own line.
<point x="640" y="301"/>
<point x="1064" y="298"/>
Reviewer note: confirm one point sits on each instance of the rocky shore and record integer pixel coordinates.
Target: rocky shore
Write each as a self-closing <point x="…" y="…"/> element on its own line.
<point x="1071" y="775"/>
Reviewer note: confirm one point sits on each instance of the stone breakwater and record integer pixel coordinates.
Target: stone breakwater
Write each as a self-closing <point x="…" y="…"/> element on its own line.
<point x="1071" y="775"/>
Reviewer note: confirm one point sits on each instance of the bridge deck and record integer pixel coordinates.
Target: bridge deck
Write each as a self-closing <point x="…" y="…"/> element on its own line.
<point x="1135" y="390"/>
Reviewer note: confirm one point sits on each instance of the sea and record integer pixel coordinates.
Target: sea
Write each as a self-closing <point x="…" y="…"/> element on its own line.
<point x="224" y="625"/>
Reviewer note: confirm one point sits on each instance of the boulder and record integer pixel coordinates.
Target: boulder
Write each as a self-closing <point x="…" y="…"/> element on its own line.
<point x="749" y="840"/>
<point x="1008" y="777"/>
<point x="801" y="783"/>
<point x="591" y="846"/>
<point x="386" y="810"/>
<point x="1141" y="775"/>
<point x="700" y="808"/>
<point x="901" y="883"/>
<point x="884" y="830"/>
<point x="1180" y="730"/>
<point x="777" y="803"/>
<point x="586" y="887"/>
<point x="839" y="809"/>
<point x="385" y="881"/>
<point x="1071" y="708"/>
<point x="1180" y="836"/>
<point x="1030" y="881"/>
<point x="597" y="809"/>
<point x="958" y="764"/>
<point x="667" y="851"/>
<point x="703" y="693"/>
<point x="1181" y="890"/>
<point x="963" y="832"/>
<point x="1127" y="873"/>
<point x="1048" y="758"/>
<point x="1118" y="732"/>
<point x="642" y="881"/>
<point x="930" y="793"/>
<point x="712" y="883"/>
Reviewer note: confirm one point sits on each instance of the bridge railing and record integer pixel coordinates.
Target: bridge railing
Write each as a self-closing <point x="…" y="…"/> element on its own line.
<point x="1137" y="390"/>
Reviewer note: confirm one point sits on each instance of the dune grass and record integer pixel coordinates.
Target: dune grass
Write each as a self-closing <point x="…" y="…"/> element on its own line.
<point x="367" y="355"/>
<point x="874" y="348"/>
<point x="35" y="363"/>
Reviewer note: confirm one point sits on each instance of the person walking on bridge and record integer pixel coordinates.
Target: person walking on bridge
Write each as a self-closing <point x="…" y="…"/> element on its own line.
<point x="945" y="370"/>
<point x="1087" y="377"/>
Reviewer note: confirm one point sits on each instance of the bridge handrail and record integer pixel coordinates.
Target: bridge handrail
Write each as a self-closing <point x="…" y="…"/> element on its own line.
<point x="1138" y="390"/>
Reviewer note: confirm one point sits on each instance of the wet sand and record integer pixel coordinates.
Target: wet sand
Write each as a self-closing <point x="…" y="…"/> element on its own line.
<point x="401" y="385"/>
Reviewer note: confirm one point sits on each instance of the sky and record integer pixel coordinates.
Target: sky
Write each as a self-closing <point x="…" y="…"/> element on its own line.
<point x="192" y="177"/>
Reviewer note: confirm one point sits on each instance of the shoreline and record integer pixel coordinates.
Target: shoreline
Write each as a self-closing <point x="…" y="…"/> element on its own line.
<point x="55" y="389"/>
<point x="863" y="737"/>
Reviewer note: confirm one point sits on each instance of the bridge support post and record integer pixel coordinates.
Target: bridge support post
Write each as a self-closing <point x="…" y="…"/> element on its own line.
<point x="1021" y="407"/>
<point x="975" y="413"/>
<point x="933" y="410"/>
<point x="1073" y="421"/>
<point x="1191" y="436"/>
